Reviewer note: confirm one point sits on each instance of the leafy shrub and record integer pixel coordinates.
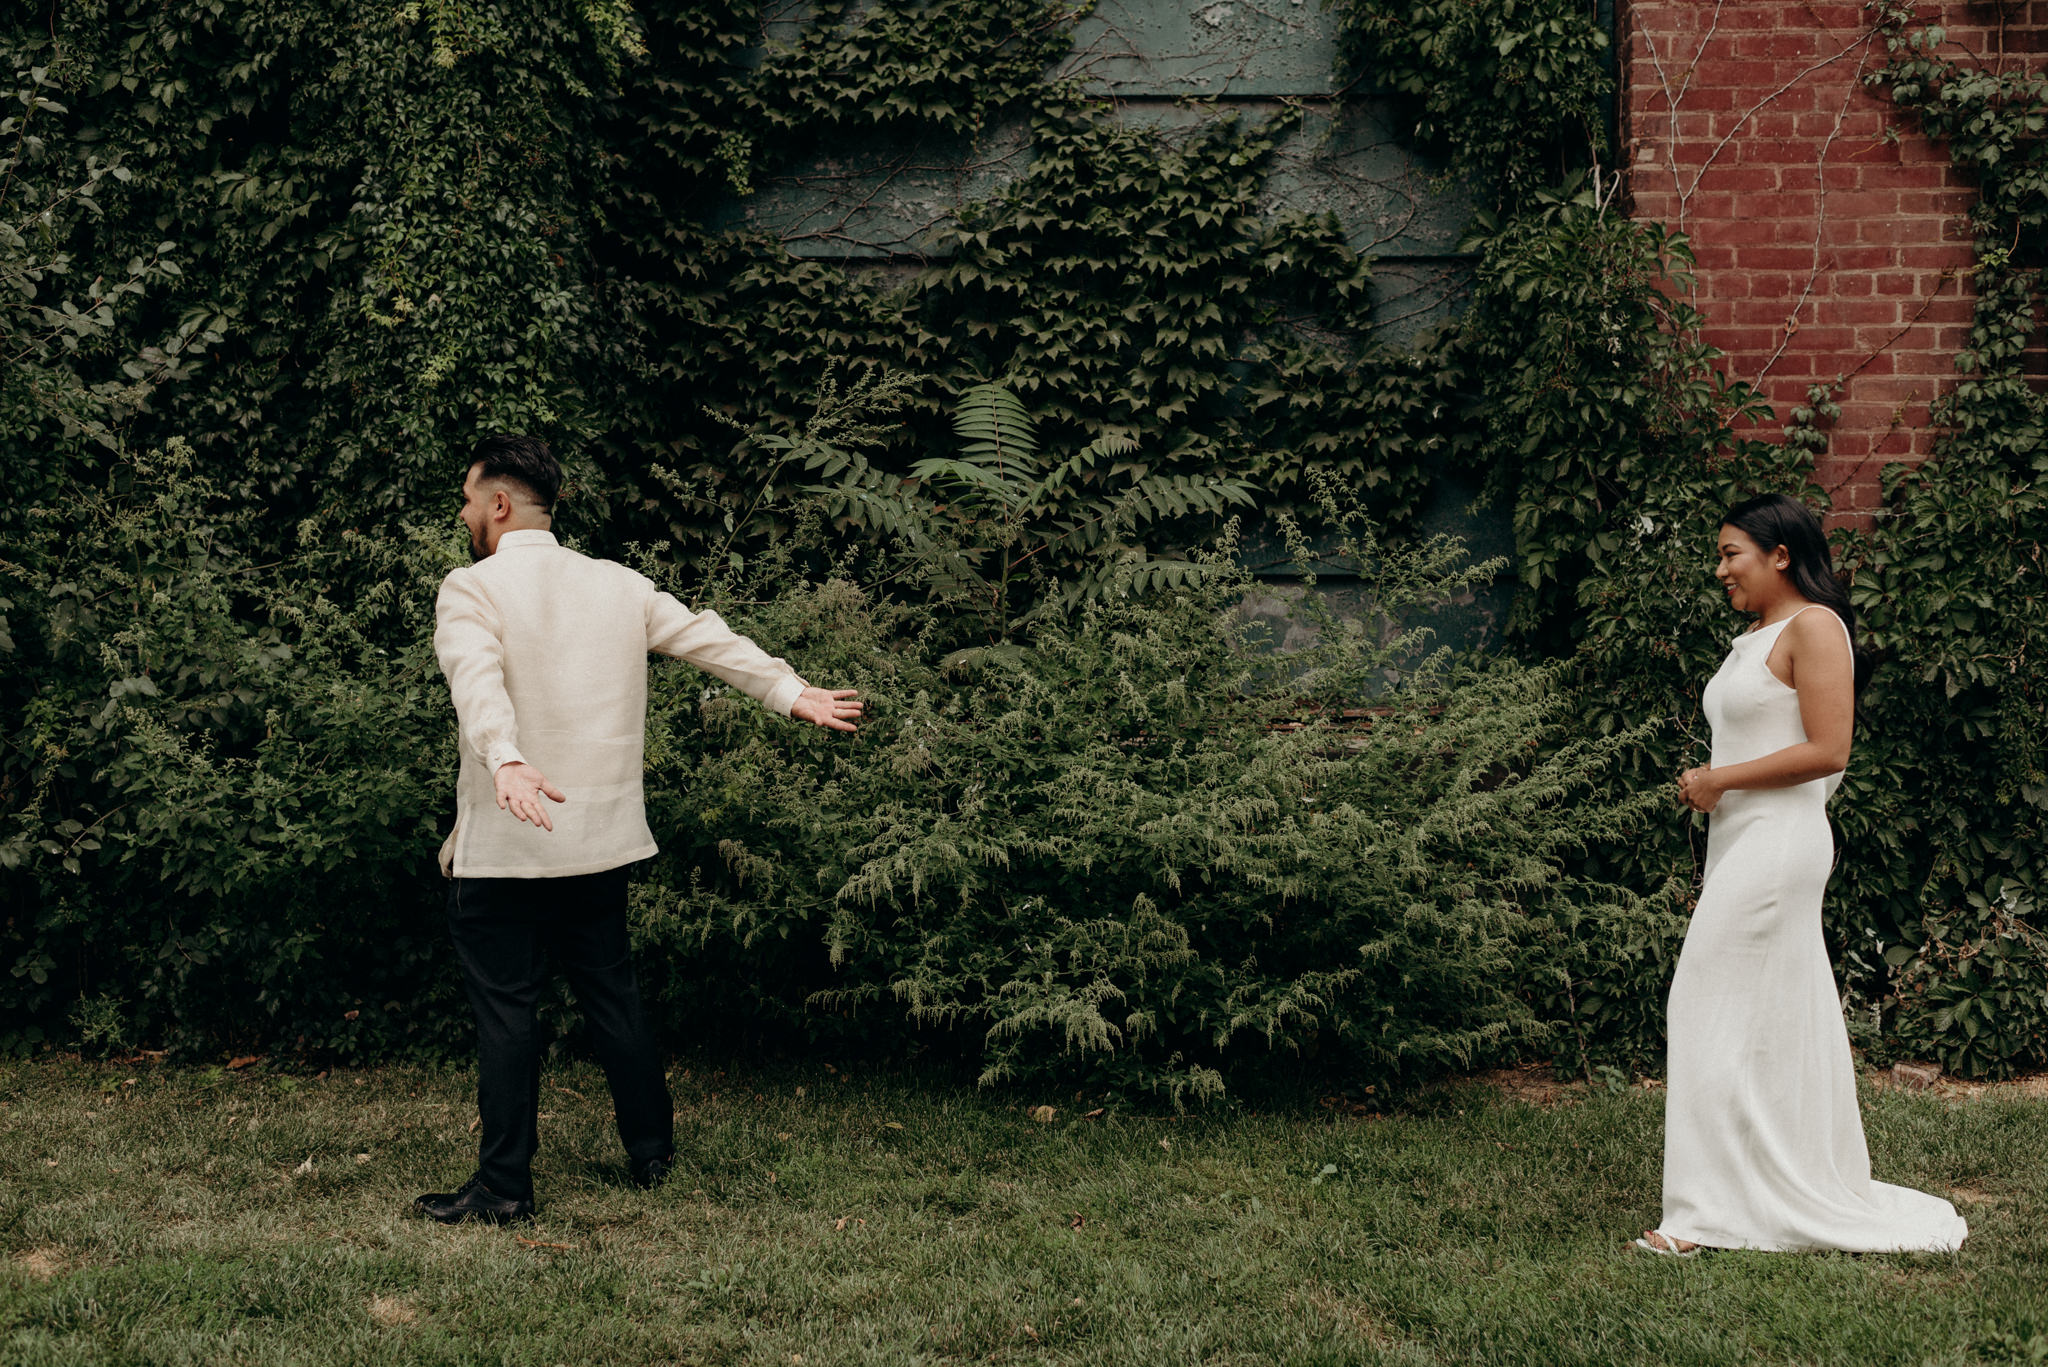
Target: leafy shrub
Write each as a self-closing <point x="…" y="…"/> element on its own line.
<point x="223" y="785"/>
<point x="1973" y="994"/>
<point x="1143" y="848"/>
<point x="1137" y="846"/>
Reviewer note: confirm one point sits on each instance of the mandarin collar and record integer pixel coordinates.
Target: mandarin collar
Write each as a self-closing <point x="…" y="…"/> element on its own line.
<point x="526" y="536"/>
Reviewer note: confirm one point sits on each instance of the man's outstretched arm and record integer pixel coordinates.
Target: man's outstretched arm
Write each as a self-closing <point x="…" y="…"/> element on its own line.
<point x="836" y="708"/>
<point x="704" y="640"/>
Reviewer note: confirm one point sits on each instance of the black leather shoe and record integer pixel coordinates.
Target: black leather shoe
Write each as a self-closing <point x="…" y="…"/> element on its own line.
<point x="473" y="1201"/>
<point x="651" y="1174"/>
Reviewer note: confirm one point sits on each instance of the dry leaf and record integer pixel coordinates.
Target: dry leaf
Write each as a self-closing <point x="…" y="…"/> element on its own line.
<point x="799" y="1094"/>
<point x="782" y="1135"/>
<point x="1076" y="1221"/>
<point x="1166" y="1144"/>
<point x="1096" y="1114"/>
<point x="304" y="1169"/>
<point x="1030" y="1333"/>
<point x="362" y="1158"/>
<point x="839" y="1224"/>
<point x="49" y="1162"/>
<point x="474" y="1123"/>
<point x="890" y="1125"/>
<point x="244" y="1061"/>
<point x="1043" y="1114"/>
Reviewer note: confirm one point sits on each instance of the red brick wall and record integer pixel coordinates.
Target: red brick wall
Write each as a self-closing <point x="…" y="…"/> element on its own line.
<point x="1823" y="248"/>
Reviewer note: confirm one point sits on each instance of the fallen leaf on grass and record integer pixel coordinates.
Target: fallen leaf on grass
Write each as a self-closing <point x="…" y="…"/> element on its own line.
<point x="1043" y="1114"/>
<point x="49" y="1162"/>
<point x="568" y="1091"/>
<point x="1076" y="1221"/>
<point x="1166" y="1144"/>
<point x="890" y="1125"/>
<point x="1096" y="1114"/>
<point x="536" y="1243"/>
<point x="244" y="1061"/>
<point x="362" y="1158"/>
<point x="841" y="1222"/>
<point x="1029" y="1332"/>
<point x="304" y="1169"/>
<point x="474" y="1122"/>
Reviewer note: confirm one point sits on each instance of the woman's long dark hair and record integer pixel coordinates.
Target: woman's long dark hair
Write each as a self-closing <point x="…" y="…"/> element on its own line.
<point x="1773" y="520"/>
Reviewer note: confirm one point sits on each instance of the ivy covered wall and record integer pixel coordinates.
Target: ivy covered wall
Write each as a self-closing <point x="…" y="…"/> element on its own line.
<point x="311" y="250"/>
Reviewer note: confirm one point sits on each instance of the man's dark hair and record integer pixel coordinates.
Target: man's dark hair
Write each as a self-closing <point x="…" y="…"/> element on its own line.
<point x="525" y="461"/>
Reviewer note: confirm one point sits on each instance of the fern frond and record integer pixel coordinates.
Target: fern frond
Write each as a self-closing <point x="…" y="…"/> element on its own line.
<point x="1007" y="491"/>
<point x="992" y="425"/>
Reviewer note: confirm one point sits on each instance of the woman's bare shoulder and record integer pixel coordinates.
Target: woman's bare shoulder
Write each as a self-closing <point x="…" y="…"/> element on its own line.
<point x="1817" y="628"/>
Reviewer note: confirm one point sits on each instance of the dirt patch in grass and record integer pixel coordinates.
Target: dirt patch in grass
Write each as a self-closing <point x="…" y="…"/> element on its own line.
<point x="40" y="1263"/>
<point x="1532" y="1084"/>
<point x="2033" y="1086"/>
<point x="391" y="1312"/>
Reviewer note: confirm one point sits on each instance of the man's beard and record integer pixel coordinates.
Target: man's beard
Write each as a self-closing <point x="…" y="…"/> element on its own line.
<point x="477" y="549"/>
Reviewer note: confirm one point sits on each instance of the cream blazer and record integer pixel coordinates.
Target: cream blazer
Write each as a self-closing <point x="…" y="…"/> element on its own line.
<point x="545" y="652"/>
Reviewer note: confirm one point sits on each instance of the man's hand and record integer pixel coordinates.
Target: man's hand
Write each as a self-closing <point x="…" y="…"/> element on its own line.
<point x="837" y="708"/>
<point x="520" y="786"/>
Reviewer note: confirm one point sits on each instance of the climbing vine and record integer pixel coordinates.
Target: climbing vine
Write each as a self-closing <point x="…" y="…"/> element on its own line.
<point x="1954" y="589"/>
<point x="330" y="244"/>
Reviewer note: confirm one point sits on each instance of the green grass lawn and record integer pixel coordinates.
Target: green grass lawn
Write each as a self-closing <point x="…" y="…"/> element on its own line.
<point x="150" y="1215"/>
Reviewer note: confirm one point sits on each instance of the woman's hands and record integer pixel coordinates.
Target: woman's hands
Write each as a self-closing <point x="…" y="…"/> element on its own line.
<point x="1699" y="789"/>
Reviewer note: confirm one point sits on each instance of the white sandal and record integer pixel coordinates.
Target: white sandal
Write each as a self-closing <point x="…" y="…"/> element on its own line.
<point x="1673" y="1251"/>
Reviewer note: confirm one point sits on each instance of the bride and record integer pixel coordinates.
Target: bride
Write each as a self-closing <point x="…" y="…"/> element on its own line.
<point x="1763" y="1142"/>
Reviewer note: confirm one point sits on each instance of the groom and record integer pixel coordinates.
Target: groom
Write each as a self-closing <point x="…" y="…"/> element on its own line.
<point x="545" y="651"/>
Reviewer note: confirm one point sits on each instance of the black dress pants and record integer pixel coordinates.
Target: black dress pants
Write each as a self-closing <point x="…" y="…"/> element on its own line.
<point x="505" y="930"/>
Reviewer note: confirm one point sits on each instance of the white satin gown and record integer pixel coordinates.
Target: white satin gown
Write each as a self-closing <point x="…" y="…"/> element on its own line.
<point x="1763" y="1140"/>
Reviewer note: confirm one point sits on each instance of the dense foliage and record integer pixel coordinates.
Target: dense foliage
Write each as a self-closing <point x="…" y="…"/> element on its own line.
<point x="1141" y="846"/>
<point x="273" y="266"/>
<point x="1956" y="595"/>
<point x="1616" y="441"/>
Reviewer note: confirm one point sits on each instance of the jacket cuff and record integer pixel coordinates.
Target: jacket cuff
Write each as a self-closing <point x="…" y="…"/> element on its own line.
<point x="502" y="754"/>
<point x="783" y="696"/>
